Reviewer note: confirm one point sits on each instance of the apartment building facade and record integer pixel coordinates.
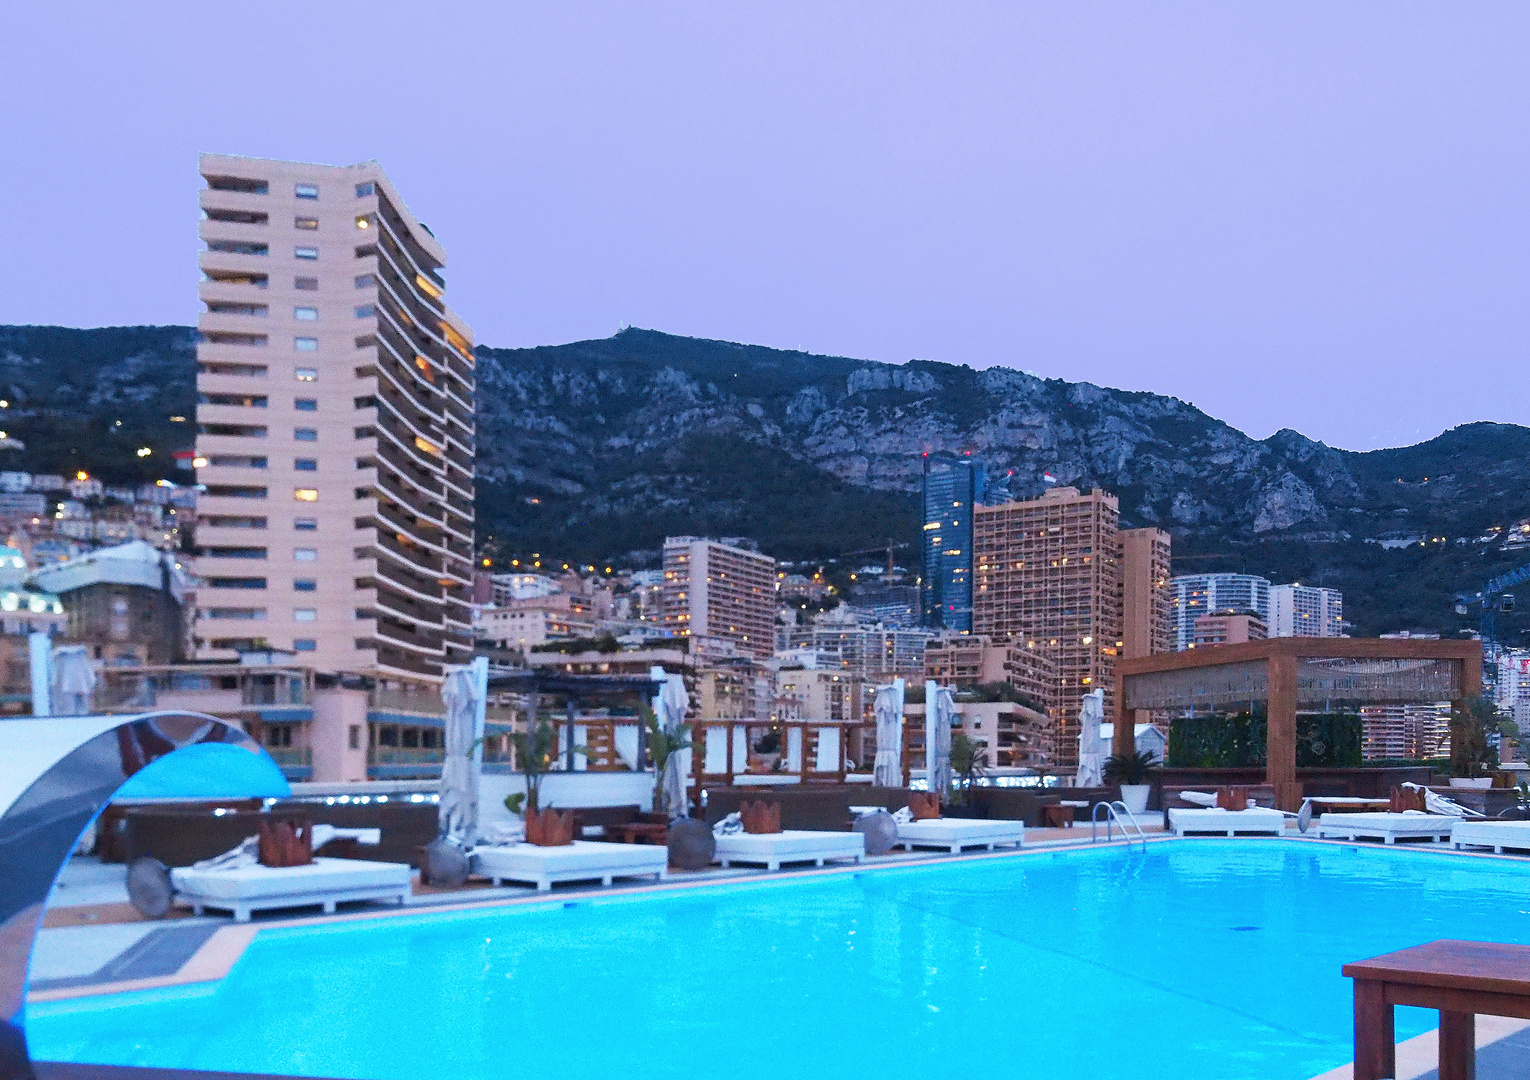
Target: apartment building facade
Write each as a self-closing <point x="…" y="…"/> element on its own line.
<point x="335" y="426"/>
<point x="1048" y="575"/>
<point x="969" y="660"/>
<point x="1305" y="611"/>
<point x="1194" y="595"/>
<point x="1147" y="602"/>
<point x="719" y="594"/>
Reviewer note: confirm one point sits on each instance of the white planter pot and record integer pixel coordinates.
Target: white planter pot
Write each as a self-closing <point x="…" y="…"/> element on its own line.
<point x="1135" y="796"/>
<point x="1475" y="783"/>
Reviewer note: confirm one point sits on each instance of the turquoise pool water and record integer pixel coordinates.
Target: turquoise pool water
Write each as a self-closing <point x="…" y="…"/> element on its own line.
<point x="1196" y="958"/>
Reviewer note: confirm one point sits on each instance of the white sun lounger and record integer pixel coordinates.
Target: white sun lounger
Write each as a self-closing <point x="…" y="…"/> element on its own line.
<point x="1386" y="827"/>
<point x="1216" y="821"/>
<point x="770" y="850"/>
<point x="583" y="860"/>
<point x="1497" y="835"/>
<point x="954" y="834"/>
<point x="326" y="882"/>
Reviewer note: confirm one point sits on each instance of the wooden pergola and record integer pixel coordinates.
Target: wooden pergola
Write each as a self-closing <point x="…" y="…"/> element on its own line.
<point x="1287" y="673"/>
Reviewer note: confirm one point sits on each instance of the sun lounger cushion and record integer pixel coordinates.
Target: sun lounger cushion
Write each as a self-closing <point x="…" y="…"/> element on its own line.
<point x="1256" y="819"/>
<point x="770" y="850"/>
<point x="323" y="881"/>
<point x="953" y="834"/>
<point x="1497" y="835"/>
<point x="583" y="860"/>
<point x="1387" y="827"/>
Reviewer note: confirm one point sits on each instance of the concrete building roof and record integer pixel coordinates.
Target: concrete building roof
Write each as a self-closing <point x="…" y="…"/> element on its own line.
<point x="136" y="562"/>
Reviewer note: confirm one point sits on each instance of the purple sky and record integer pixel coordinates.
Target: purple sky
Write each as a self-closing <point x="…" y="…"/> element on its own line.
<point x="1309" y="215"/>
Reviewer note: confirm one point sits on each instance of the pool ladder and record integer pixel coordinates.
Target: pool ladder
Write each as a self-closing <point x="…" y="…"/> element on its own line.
<point x="1113" y="813"/>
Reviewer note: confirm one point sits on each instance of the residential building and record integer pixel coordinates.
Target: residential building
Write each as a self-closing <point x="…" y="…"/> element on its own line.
<point x="24" y="611"/>
<point x="872" y="651"/>
<point x="1228" y="628"/>
<point x="1147" y="602"/>
<point x="1405" y="732"/>
<point x="816" y="694"/>
<point x="953" y="487"/>
<point x="335" y="427"/>
<point x="124" y="603"/>
<point x="1194" y="595"/>
<point x="1305" y="611"/>
<point x="971" y="660"/>
<point x="1049" y="576"/>
<point x="720" y="593"/>
<point x="1512" y="689"/>
<point x="522" y="625"/>
<point x="890" y="604"/>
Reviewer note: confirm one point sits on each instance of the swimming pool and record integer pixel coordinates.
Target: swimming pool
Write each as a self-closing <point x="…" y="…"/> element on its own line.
<point x="1194" y="958"/>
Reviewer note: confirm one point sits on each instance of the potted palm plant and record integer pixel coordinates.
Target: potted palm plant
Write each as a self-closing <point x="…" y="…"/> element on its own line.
<point x="969" y="761"/>
<point x="662" y="745"/>
<point x="1473" y="722"/>
<point x="1131" y="772"/>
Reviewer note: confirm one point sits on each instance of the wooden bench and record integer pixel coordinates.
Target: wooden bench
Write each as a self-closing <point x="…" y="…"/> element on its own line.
<point x="1459" y="978"/>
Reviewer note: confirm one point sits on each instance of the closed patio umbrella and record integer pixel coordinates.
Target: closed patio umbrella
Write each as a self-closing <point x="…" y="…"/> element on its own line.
<point x="1091" y="751"/>
<point x="888" y="770"/>
<point x="74" y="681"/>
<point x="463" y="692"/>
<point x="671" y="704"/>
<point x="939" y="711"/>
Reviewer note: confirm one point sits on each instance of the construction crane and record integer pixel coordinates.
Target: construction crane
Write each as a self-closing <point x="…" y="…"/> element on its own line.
<point x="1490" y="607"/>
<point x="889" y="547"/>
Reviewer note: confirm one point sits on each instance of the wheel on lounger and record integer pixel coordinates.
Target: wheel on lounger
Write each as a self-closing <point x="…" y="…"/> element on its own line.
<point x="880" y="831"/>
<point x="691" y="844"/>
<point x="149" y="888"/>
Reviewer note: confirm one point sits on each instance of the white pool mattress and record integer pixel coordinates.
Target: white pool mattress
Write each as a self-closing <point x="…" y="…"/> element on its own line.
<point x="266" y="882"/>
<point x="1385" y="826"/>
<point x="957" y="833"/>
<point x="1497" y="835"/>
<point x="583" y="860"/>
<point x="1258" y="819"/>
<point x="789" y="845"/>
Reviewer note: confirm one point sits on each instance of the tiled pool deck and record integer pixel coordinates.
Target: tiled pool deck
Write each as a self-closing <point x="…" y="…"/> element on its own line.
<point x="94" y="942"/>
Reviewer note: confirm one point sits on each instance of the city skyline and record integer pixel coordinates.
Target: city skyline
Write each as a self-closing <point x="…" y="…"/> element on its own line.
<point x="1330" y="194"/>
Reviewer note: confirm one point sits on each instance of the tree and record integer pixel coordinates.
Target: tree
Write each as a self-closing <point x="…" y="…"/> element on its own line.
<point x="969" y="760"/>
<point x="535" y="749"/>
<point x="1473" y="722"/>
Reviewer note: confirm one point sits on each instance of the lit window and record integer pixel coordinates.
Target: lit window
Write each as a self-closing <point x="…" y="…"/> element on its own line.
<point x="306" y="404"/>
<point x="305" y="584"/>
<point x="306" y="314"/>
<point x="306" y="284"/>
<point x="363" y="190"/>
<point x="365" y="311"/>
<point x="307" y="374"/>
<point x="306" y="252"/>
<point x="304" y="614"/>
<point x="306" y="494"/>
<point x="305" y="223"/>
<point x="306" y="434"/>
<point x="306" y="464"/>
<point x="306" y="644"/>
<point x="306" y="344"/>
<point x="306" y="191"/>
<point x="305" y="524"/>
<point x="305" y="554"/>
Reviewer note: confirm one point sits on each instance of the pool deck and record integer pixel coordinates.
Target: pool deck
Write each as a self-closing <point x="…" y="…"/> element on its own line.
<point x="93" y="941"/>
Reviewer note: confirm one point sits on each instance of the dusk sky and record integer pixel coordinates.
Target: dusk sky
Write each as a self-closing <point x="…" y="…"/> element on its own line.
<point x="1308" y="215"/>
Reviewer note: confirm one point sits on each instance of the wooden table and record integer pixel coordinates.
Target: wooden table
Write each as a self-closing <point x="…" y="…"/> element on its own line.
<point x="638" y="832"/>
<point x="1459" y="978"/>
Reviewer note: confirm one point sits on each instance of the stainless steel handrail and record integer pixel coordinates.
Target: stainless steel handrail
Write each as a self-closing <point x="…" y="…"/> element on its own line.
<point x="1111" y="814"/>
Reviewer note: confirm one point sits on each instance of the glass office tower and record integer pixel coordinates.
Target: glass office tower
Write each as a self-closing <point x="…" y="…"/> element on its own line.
<point x="952" y="487"/>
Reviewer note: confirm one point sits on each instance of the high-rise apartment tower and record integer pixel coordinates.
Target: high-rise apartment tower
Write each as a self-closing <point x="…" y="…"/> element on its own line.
<point x="1049" y="576"/>
<point x="953" y="486"/>
<point x="334" y="425"/>
<point x="1305" y="611"/>
<point x="720" y="593"/>
<point x="1194" y="595"/>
